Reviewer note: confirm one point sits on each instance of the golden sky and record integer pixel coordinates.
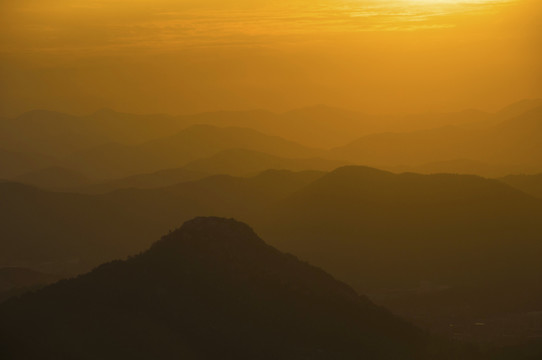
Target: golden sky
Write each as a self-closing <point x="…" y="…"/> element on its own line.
<point x="181" y="56"/>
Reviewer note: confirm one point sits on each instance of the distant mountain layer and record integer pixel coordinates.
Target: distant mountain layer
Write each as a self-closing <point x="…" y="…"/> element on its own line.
<point x="513" y="142"/>
<point x="241" y="162"/>
<point x="56" y="134"/>
<point x="54" y="178"/>
<point x="235" y="162"/>
<point x="193" y="143"/>
<point x="460" y="166"/>
<point x="16" y="163"/>
<point x="209" y="290"/>
<point x="109" y="144"/>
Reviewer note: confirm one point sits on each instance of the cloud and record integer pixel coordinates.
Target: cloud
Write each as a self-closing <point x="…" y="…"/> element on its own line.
<point x="83" y="26"/>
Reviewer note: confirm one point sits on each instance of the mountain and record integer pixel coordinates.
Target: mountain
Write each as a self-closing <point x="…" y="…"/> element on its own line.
<point x="115" y="160"/>
<point x="162" y="178"/>
<point x="46" y="132"/>
<point x="16" y="281"/>
<point x="422" y="224"/>
<point x="241" y="162"/>
<point x="54" y="178"/>
<point x="66" y="233"/>
<point x="459" y="166"/>
<point x="394" y="235"/>
<point x="518" y="108"/>
<point x="329" y="126"/>
<point x="209" y="290"/>
<point x="513" y="143"/>
<point x="235" y="162"/>
<point x="530" y="184"/>
<point x="56" y="134"/>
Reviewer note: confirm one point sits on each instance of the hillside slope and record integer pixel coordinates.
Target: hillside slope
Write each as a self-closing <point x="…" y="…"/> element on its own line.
<point x="209" y="290"/>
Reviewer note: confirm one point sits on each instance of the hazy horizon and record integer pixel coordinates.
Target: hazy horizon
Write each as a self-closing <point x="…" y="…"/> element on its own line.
<point x="255" y="179"/>
<point x="187" y="57"/>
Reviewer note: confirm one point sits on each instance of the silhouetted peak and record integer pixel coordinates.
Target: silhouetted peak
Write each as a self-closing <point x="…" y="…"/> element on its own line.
<point x="211" y="232"/>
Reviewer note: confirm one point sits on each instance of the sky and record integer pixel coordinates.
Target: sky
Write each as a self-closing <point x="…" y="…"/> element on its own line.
<point x="186" y="56"/>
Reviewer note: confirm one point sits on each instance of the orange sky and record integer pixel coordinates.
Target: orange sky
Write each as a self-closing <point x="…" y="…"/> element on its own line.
<point x="181" y="56"/>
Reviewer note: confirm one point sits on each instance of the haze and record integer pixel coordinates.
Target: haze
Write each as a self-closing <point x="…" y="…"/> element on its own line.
<point x="256" y="179"/>
<point x="190" y="56"/>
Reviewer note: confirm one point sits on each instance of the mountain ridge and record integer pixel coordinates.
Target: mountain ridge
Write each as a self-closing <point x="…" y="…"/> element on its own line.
<point x="246" y="300"/>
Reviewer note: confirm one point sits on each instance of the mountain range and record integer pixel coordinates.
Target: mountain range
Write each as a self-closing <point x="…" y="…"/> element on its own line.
<point x="209" y="290"/>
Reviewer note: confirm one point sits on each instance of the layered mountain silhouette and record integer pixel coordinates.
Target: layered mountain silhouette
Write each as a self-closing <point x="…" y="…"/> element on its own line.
<point x="241" y="162"/>
<point x="460" y="166"/>
<point x="108" y="144"/>
<point x="513" y="142"/>
<point x="56" y="134"/>
<point x="235" y="162"/>
<point x="67" y="232"/>
<point x="209" y="290"/>
<point x="54" y="178"/>
<point x="14" y="163"/>
<point x="397" y="235"/>
<point x="115" y="160"/>
<point x="162" y="178"/>
<point x="424" y="225"/>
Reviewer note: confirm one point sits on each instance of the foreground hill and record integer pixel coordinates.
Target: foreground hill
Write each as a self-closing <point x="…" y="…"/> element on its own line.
<point x="209" y="290"/>
<point x="66" y="232"/>
<point x="16" y="281"/>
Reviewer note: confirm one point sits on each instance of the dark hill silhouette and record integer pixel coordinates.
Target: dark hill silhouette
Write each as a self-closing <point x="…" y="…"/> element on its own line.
<point x="16" y="281"/>
<point x="54" y="178"/>
<point x="209" y="290"/>
<point x="65" y="232"/>
<point x="115" y="160"/>
<point x="530" y="184"/>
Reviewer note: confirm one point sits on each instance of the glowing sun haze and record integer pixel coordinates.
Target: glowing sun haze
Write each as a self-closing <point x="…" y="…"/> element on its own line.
<point x="187" y="56"/>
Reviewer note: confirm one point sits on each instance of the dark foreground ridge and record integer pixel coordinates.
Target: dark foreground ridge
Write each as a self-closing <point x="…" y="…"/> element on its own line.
<point x="209" y="290"/>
